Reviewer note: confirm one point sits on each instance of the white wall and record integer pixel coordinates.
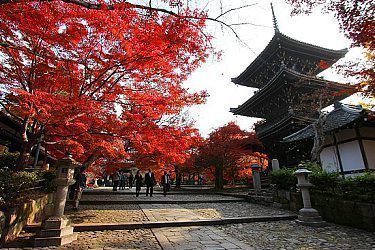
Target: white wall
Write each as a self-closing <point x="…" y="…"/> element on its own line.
<point x="330" y="162"/>
<point x="370" y="152"/>
<point x="351" y="157"/>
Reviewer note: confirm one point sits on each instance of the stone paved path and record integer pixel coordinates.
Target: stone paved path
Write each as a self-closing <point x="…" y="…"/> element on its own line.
<point x="210" y="238"/>
<point x="265" y="235"/>
<point x="289" y="235"/>
<point x="181" y="238"/>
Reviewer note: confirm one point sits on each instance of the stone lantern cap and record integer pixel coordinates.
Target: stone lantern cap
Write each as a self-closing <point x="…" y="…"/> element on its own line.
<point x="302" y="177"/>
<point x="302" y="171"/>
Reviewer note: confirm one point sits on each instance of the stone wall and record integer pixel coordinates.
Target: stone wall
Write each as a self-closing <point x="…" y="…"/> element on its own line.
<point x="31" y="212"/>
<point x="349" y="213"/>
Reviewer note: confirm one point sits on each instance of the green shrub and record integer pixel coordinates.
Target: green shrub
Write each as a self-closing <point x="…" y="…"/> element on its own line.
<point x="8" y="160"/>
<point x="361" y="188"/>
<point x="47" y="184"/>
<point x="284" y="178"/>
<point x="325" y="182"/>
<point x="14" y="187"/>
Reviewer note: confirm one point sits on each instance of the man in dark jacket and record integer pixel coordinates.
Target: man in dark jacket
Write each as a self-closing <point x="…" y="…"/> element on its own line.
<point x="166" y="182"/>
<point x="150" y="182"/>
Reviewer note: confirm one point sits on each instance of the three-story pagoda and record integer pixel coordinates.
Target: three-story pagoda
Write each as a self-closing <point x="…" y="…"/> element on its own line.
<point x="285" y="73"/>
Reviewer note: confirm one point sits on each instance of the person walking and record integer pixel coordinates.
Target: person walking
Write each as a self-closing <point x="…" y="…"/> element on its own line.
<point x="122" y="181"/>
<point x="138" y="182"/>
<point x="166" y="182"/>
<point x="150" y="182"/>
<point x="115" y="179"/>
<point x="131" y="180"/>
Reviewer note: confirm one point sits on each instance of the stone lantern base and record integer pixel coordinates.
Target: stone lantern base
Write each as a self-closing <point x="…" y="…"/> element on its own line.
<point x="310" y="217"/>
<point x="55" y="232"/>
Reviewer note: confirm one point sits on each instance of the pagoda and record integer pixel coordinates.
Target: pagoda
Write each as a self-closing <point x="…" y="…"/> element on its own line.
<point x="284" y="73"/>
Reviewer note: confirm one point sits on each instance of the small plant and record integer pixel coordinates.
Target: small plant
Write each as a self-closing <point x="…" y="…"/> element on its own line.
<point x="13" y="186"/>
<point x="325" y="182"/>
<point x="284" y="178"/>
<point x="8" y="160"/>
<point x="47" y="184"/>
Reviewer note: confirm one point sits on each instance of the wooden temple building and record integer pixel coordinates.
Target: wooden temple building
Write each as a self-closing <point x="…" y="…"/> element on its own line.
<point x="284" y="73"/>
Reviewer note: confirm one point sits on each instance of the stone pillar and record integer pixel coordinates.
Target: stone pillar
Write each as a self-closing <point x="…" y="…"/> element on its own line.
<point x="255" y="169"/>
<point x="275" y="164"/>
<point x="307" y="215"/>
<point x="56" y="230"/>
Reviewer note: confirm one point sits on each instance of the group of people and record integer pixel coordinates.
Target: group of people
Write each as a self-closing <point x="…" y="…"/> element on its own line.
<point x="121" y="180"/>
<point x="150" y="182"/>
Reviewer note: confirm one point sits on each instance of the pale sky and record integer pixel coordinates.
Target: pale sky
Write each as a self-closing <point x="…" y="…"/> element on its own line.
<point x="215" y="76"/>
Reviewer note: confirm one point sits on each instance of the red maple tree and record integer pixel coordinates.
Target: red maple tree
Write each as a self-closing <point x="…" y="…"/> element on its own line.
<point x="227" y="151"/>
<point x="99" y="84"/>
<point x="356" y="20"/>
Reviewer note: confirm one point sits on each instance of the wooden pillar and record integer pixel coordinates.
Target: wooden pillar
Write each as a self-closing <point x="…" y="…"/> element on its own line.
<point x="338" y="155"/>
<point x="362" y="148"/>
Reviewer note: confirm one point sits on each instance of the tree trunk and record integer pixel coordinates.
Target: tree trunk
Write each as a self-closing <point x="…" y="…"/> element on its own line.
<point x="24" y="157"/>
<point x="319" y="138"/>
<point x="90" y="160"/>
<point x="6" y="226"/>
<point x="178" y="176"/>
<point x="219" y="178"/>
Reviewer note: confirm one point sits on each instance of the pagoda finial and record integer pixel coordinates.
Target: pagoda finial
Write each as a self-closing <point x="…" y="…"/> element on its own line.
<point x="275" y="25"/>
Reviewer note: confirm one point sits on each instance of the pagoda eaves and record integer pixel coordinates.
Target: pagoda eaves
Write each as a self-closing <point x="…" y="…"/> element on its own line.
<point x="281" y="42"/>
<point x="284" y="78"/>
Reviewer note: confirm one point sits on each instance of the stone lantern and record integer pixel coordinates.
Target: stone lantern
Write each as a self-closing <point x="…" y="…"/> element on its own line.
<point x="56" y="230"/>
<point x="307" y="215"/>
<point x="255" y="169"/>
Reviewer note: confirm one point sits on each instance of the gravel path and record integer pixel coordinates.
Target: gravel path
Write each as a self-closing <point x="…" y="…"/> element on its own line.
<point x="119" y="239"/>
<point x="107" y="214"/>
<point x="289" y="235"/>
<point x="233" y="209"/>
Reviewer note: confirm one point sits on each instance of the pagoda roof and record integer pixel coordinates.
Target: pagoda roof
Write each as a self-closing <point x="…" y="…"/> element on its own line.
<point x="269" y="129"/>
<point x="341" y="117"/>
<point x="282" y="42"/>
<point x="248" y="108"/>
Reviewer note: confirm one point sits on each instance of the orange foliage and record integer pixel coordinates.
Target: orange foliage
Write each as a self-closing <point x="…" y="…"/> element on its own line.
<point x="356" y="20"/>
<point x="227" y="151"/>
<point x="101" y="84"/>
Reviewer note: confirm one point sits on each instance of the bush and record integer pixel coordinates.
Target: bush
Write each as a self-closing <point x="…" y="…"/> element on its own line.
<point x="14" y="187"/>
<point x="19" y="187"/>
<point x="47" y="184"/>
<point x="8" y="160"/>
<point x="284" y="178"/>
<point x="361" y="188"/>
<point x="325" y="182"/>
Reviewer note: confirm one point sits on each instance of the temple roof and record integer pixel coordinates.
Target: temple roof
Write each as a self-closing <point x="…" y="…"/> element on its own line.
<point x="281" y="127"/>
<point x="278" y="81"/>
<point x="286" y="43"/>
<point x="342" y="116"/>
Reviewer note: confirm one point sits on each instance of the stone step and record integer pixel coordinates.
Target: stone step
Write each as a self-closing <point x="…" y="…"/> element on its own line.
<point x="55" y="232"/>
<point x="55" y="241"/>
<point x="160" y="224"/>
<point x="117" y="202"/>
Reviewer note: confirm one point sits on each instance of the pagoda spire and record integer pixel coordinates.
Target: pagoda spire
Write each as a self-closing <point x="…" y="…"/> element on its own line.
<point x="275" y="25"/>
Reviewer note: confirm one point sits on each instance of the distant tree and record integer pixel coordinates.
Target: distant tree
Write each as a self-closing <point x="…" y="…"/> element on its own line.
<point x="356" y="20"/>
<point x="225" y="149"/>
